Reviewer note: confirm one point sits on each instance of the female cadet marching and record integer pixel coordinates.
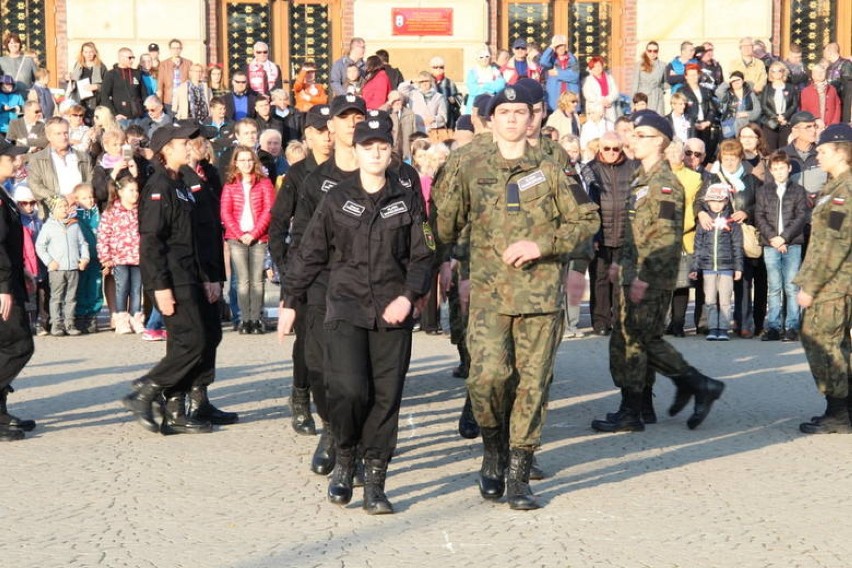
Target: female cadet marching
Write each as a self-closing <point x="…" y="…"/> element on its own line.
<point x="172" y="267"/>
<point x="372" y="234"/>
<point x="825" y="279"/>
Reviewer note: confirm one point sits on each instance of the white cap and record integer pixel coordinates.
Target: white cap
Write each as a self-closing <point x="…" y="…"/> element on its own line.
<point x="23" y="192"/>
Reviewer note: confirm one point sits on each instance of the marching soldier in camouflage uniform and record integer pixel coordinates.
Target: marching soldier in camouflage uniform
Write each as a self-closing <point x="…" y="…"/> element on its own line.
<point x="825" y="279"/>
<point x="523" y="215"/>
<point x="647" y="272"/>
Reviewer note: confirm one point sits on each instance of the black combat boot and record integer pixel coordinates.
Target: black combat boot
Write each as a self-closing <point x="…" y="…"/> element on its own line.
<point x="340" y="486"/>
<point x="518" y="491"/>
<point x="300" y="408"/>
<point x="683" y="393"/>
<point x="613" y="416"/>
<point x="705" y="390"/>
<point x="491" y="474"/>
<point x="175" y="420"/>
<point x="141" y="403"/>
<point x="536" y="473"/>
<point x="462" y="371"/>
<point x="358" y="480"/>
<point x="649" y="416"/>
<point x="375" y="500"/>
<point x="10" y="420"/>
<point x="468" y="428"/>
<point x="201" y="409"/>
<point x="834" y="421"/>
<point x="626" y="419"/>
<point x="323" y="461"/>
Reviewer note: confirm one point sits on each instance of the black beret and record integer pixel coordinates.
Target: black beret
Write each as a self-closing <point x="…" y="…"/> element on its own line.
<point x="511" y="94"/>
<point x="841" y="132"/>
<point x="464" y="123"/>
<point x="533" y="87"/>
<point x="481" y="102"/>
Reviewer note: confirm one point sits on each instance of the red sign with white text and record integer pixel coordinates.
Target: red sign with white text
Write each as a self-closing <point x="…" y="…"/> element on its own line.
<point x="422" y="21"/>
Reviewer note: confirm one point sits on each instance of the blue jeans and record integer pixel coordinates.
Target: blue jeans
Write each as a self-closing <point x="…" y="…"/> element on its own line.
<point x="155" y="320"/>
<point x="128" y="288"/>
<point x="780" y="271"/>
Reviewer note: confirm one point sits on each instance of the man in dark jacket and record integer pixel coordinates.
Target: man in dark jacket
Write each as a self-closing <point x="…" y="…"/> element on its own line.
<point x="16" y="342"/>
<point x="781" y="213"/>
<point x="239" y="103"/>
<point x="122" y="90"/>
<point x="612" y="173"/>
<point x="805" y="170"/>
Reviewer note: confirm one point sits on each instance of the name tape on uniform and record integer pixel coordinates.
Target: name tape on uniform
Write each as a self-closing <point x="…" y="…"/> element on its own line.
<point x="531" y="180"/>
<point x="353" y="208"/>
<point x="405" y="182"/>
<point x="394" y="208"/>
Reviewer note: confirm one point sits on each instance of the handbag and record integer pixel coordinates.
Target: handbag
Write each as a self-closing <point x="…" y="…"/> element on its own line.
<point x="751" y="241"/>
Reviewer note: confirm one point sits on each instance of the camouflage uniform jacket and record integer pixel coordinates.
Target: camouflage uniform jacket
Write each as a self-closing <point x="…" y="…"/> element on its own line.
<point x="654" y="232"/>
<point x="505" y="201"/>
<point x="827" y="269"/>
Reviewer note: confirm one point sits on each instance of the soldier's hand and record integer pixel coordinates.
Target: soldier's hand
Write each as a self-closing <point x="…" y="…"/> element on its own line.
<point x="464" y="295"/>
<point x="637" y="290"/>
<point x="612" y="273"/>
<point x="396" y="312"/>
<point x="445" y="278"/>
<point x="212" y="290"/>
<point x="519" y="253"/>
<point x="5" y="306"/>
<point x="804" y="299"/>
<point x="286" y="320"/>
<point x="165" y="301"/>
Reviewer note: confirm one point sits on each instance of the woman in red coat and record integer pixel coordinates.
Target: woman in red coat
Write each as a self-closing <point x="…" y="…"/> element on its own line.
<point x="376" y="85"/>
<point x="820" y="98"/>
<point x="246" y="207"/>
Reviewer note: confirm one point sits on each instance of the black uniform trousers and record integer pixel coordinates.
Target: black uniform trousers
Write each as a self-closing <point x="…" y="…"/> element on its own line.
<point x="365" y="373"/>
<point x="16" y="345"/>
<point x="205" y="371"/>
<point x="300" y="368"/>
<point x="194" y="332"/>
<point x="314" y="356"/>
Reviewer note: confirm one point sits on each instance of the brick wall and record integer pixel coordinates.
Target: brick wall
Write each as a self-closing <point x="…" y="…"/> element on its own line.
<point x="347" y="13"/>
<point x="626" y="71"/>
<point x="213" y="32"/>
<point x="61" y="31"/>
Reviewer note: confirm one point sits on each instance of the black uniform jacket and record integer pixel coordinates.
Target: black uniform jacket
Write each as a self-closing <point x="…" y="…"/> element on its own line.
<point x="168" y="250"/>
<point x="11" y="250"/>
<point x="207" y="190"/>
<point x="284" y="208"/>
<point x="378" y="247"/>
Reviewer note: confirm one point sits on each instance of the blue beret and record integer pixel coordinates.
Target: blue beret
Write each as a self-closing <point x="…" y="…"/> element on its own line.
<point x="653" y="120"/>
<point x="836" y="133"/>
<point x="511" y="94"/>
<point x="464" y="123"/>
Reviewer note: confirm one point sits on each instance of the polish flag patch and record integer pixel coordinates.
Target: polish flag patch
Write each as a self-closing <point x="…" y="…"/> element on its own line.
<point x="195" y="188"/>
<point x="155" y="197"/>
<point x="666" y="190"/>
<point x="838" y="201"/>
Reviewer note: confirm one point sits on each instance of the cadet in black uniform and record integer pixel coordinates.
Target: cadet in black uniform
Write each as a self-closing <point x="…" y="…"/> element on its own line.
<point x="16" y="340"/>
<point x="346" y="111"/>
<point x="372" y="234"/>
<point x="319" y="145"/>
<point x="171" y="266"/>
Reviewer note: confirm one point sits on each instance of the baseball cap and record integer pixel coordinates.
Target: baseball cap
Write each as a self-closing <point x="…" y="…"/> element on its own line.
<point x="342" y="103"/>
<point x="558" y="40"/>
<point x="7" y="80"/>
<point x="519" y="43"/>
<point x="717" y="192"/>
<point x="166" y="134"/>
<point x="153" y="47"/>
<point x="317" y="117"/>
<point x="370" y="130"/>
<point x="22" y="192"/>
<point x="841" y="132"/>
<point x="802" y="117"/>
<point x="9" y="149"/>
<point x="653" y="120"/>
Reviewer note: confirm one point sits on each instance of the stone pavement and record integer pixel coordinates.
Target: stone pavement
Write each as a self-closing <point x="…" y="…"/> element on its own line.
<point x="90" y="488"/>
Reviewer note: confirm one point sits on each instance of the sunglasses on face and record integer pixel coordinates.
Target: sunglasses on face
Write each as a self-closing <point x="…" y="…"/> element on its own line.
<point x="652" y="50"/>
<point x="261" y="51"/>
<point x="610" y="149"/>
<point x="691" y="153"/>
<point x="27" y="203"/>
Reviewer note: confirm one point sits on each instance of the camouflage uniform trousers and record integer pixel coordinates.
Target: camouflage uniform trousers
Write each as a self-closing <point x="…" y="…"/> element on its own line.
<point x="825" y="337"/>
<point x="512" y="359"/>
<point x="636" y="347"/>
<point x="458" y="319"/>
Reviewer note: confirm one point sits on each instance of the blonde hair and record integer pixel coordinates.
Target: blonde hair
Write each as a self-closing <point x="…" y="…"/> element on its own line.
<point x="105" y="116"/>
<point x="113" y="135"/>
<point x="785" y="72"/>
<point x="295" y="152"/>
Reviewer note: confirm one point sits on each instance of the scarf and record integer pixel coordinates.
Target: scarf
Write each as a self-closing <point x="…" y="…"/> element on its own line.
<point x="735" y="179"/>
<point x="262" y="76"/>
<point x="604" y="84"/>
<point x="197" y="103"/>
<point x="109" y="162"/>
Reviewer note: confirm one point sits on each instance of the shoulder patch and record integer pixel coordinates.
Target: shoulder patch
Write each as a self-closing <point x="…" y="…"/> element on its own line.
<point x="353" y="208"/>
<point x="835" y="220"/>
<point x="430" y="238"/>
<point x="405" y="182"/>
<point x="531" y="180"/>
<point x="394" y="208"/>
<point x="667" y="210"/>
<point x="641" y="192"/>
<point x="838" y="201"/>
<point x="327" y="185"/>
